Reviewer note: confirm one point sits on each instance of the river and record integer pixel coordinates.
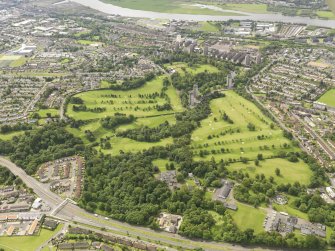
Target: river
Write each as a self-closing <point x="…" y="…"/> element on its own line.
<point x="116" y="10"/>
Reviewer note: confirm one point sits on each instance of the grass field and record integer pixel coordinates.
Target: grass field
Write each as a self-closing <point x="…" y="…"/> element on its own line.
<point x="328" y="98"/>
<point x="169" y="6"/>
<point x="9" y="136"/>
<point x="250" y="8"/>
<point x="186" y="7"/>
<point x="127" y="102"/>
<point x="248" y="217"/>
<point x="86" y="42"/>
<point x="325" y="14"/>
<point x="27" y="243"/>
<point x="215" y="133"/>
<point x="44" y="113"/>
<point x="12" y="60"/>
<point x="182" y="68"/>
<point x="208" y="27"/>
<point x="290" y="172"/>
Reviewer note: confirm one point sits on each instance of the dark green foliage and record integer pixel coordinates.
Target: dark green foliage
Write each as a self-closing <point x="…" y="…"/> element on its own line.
<point x="76" y="100"/>
<point x="16" y="127"/>
<point x="36" y="147"/>
<point x="197" y="223"/>
<point x="116" y="120"/>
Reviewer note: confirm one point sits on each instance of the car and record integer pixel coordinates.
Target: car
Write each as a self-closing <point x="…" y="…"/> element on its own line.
<point x="106" y="218"/>
<point x="95" y="215"/>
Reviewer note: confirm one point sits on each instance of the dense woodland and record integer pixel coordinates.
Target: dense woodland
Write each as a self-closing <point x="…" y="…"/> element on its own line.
<point x="36" y="147"/>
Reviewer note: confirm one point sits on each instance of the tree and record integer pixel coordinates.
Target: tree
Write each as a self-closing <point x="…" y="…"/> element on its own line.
<point x="277" y="171"/>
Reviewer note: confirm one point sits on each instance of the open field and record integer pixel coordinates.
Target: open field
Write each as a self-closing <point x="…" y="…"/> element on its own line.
<point x="236" y="139"/>
<point x="208" y="27"/>
<point x="325" y="14"/>
<point x="86" y="42"/>
<point x="169" y="6"/>
<point x="250" y="8"/>
<point x="11" y="60"/>
<point x="290" y="172"/>
<point x="127" y="102"/>
<point x="27" y="243"/>
<point x="328" y="98"/>
<point x="249" y="217"/>
<point x="139" y="102"/>
<point x="9" y="136"/>
<point x="183" y="68"/>
<point x="44" y="112"/>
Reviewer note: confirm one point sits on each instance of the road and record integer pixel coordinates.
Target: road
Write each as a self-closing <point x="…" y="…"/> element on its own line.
<point x="75" y="215"/>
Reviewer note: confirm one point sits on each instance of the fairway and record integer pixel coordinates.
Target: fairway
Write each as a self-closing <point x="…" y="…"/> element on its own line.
<point x="139" y="102"/>
<point x="183" y="68"/>
<point x="290" y="172"/>
<point x="249" y="217"/>
<point x="328" y="98"/>
<point x="127" y="102"/>
<point x="235" y="138"/>
<point x="27" y="243"/>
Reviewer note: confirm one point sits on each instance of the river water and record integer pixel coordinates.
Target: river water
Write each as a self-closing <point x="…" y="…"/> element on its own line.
<point x="116" y="10"/>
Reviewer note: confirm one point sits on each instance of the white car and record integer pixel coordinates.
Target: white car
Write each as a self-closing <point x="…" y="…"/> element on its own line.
<point x="95" y="215"/>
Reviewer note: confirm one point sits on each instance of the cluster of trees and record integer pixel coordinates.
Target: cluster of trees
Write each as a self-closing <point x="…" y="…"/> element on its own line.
<point x="36" y="147"/>
<point x="7" y="178"/>
<point x="16" y="127"/>
<point x="111" y="122"/>
<point x="165" y="107"/>
<point x="147" y="134"/>
<point x="76" y="100"/>
<point x="133" y="83"/>
<point x="84" y="108"/>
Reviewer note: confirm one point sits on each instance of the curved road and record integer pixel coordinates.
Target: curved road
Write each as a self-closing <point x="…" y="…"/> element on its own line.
<point x="76" y="215"/>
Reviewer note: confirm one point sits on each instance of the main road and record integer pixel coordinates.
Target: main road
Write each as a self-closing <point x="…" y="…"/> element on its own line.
<point x="71" y="213"/>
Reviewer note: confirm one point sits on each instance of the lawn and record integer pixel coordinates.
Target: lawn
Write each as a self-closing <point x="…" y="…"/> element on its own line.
<point x="236" y="139"/>
<point x="290" y="172"/>
<point x="11" y="60"/>
<point x="169" y="6"/>
<point x="127" y="102"/>
<point x="44" y="113"/>
<point x="325" y="14"/>
<point x="139" y="102"/>
<point x="328" y="98"/>
<point x="208" y="27"/>
<point x="9" y="136"/>
<point x="182" y="68"/>
<point x="27" y="243"/>
<point x="248" y="217"/>
<point x="18" y="62"/>
<point x="161" y="164"/>
<point x="86" y="42"/>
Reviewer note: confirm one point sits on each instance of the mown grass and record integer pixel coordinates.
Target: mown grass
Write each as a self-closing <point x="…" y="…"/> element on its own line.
<point x="182" y="68"/>
<point x="9" y="136"/>
<point x="237" y="138"/>
<point x="290" y="172"/>
<point x="328" y="98"/>
<point x="27" y="243"/>
<point x="249" y="217"/>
